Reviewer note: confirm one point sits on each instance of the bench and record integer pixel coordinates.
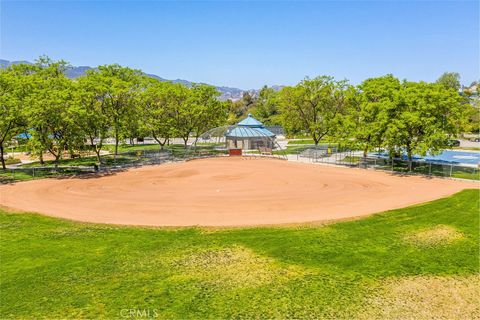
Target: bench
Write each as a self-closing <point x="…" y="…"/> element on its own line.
<point x="265" y="151"/>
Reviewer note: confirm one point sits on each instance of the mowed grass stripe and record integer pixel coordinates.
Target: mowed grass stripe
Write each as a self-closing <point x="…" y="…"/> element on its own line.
<point x="55" y="268"/>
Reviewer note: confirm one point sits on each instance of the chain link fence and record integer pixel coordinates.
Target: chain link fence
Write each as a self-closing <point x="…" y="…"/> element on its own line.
<point x="335" y="155"/>
<point x="327" y="153"/>
<point x="109" y="163"/>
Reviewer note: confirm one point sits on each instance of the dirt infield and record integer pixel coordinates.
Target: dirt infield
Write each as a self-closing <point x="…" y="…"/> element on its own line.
<point x="225" y="192"/>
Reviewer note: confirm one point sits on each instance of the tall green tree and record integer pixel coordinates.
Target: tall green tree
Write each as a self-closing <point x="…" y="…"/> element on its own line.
<point x="425" y="118"/>
<point x="159" y="102"/>
<point x="13" y="90"/>
<point x="121" y="87"/>
<point x="209" y="111"/>
<point x="450" y="80"/>
<point x="373" y="106"/>
<point x="472" y="108"/>
<point x="95" y="118"/>
<point x="315" y="105"/>
<point x="472" y="116"/>
<point x="266" y="107"/>
<point x="52" y="112"/>
<point x="198" y="111"/>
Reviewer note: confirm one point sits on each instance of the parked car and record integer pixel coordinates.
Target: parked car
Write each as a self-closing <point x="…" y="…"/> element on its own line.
<point x="476" y="139"/>
<point x="453" y="143"/>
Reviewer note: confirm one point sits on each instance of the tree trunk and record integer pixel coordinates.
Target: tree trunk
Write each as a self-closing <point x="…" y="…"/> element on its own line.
<point x="57" y="158"/>
<point x="116" y="143"/>
<point x="97" y="152"/>
<point x="158" y="141"/>
<point x="185" y="141"/>
<point x="1" y="157"/>
<point x="409" y="153"/>
<point x="41" y="158"/>
<point x="95" y="148"/>
<point x="162" y="144"/>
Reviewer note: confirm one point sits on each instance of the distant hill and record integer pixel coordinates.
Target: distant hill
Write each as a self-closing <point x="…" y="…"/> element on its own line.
<point x="75" y="72"/>
<point x="6" y="63"/>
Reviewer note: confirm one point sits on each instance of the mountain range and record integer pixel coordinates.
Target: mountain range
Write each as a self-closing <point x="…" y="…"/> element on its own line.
<point x="226" y="92"/>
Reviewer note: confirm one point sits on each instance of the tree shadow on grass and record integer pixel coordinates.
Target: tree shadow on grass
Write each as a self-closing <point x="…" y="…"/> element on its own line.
<point x="9" y="178"/>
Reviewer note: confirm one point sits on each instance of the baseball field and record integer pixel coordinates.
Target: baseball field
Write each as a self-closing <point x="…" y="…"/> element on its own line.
<point x="322" y="245"/>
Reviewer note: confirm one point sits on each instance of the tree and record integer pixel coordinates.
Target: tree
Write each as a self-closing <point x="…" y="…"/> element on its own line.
<point x="91" y="96"/>
<point x="121" y="87"/>
<point x="450" y="80"/>
<point x="52" y="112"/>
<point x="374" y="103"/>
<point x="239" y="109"/>
<point x="198" y="110"/>
<point x="209" y="111"/>
<point x="472" y="117"/>
<point x="159" y="101"/>
<point x="12" y="94"/>
<point x="266" y="107"/>
<point x="425" y="118"/>
<point x="315" y="105"/>
<point x="472" y="108"/>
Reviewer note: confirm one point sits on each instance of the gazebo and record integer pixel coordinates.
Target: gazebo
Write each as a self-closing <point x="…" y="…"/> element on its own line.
<point x="249" y="134"/>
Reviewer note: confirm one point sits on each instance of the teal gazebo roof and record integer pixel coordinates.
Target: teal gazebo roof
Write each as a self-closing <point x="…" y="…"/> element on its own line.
<point x="249" y="128"/>
<point x="250" y="122"/>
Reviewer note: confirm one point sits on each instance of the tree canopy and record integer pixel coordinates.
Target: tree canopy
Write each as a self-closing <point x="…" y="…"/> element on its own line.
<point x="450" y="80"/>
<point x="314" y="105"/>
<point x="65" y="115"/>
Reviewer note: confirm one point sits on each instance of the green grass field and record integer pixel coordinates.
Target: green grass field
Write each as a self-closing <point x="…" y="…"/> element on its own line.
<point x="109" y="159"/>
<point x="405" y="263"/>
<point x="467" y="148"/>
<point x="302" y="141"/>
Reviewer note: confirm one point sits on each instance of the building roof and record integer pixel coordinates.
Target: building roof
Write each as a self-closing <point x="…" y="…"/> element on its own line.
<point x="249" y="132"/>
<point x="250" y="121"/>
<point x="249" y="128"/>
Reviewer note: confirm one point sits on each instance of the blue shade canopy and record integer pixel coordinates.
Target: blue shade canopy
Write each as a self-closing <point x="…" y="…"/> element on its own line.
<point x="249" y="128"/>
<point x="248" y="132"/>
<point x="250" y="122"/>
<point x="24" y="135"/>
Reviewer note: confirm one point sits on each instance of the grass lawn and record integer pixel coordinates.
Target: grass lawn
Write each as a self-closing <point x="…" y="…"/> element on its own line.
<point x="7" y="176"/>
<point x="421" y="168"/>
<point x="24" y="174"/>
<point x="467" y="148"/>
<point x="303" y="141"/>
<point x="466" y="175"/>
<point x="405" y="263"/>
<point x="352" y="159"/>
<point x="129" y="148"/>
<point x="297" y="149"/>
<point x="108" y="159"/>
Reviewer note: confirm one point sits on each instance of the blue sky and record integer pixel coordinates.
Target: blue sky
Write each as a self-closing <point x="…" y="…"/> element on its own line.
<point x="248" y="44"/>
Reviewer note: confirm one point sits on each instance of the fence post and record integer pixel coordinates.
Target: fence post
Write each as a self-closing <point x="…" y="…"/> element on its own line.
<point x="451" y="169"/>
<point x="430" y="169"/>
